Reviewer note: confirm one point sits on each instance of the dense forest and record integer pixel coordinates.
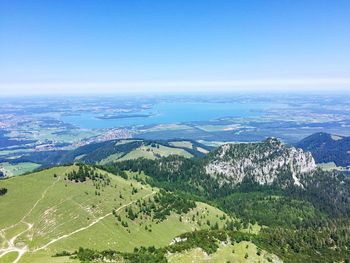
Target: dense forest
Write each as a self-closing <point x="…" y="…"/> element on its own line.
<point x="164" y="203"/>
<point x="327" y="148"/>
<point x="307" y="224"/>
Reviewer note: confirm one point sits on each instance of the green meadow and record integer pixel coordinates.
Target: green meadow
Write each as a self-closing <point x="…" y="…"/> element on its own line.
<point x="234" y="253"/>
<point x="18" y="169"/>
<point x="149" y="152"/>
<point x="44" y="213"/>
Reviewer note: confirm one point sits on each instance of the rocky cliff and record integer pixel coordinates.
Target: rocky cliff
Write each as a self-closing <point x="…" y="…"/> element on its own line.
<point x="265" y="163"/>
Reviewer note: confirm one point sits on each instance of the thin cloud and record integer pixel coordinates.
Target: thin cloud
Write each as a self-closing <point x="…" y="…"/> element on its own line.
<point x="295" y="84"/>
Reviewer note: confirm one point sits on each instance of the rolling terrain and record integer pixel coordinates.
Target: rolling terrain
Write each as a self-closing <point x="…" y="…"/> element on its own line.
<point x="55" y="210"/>
<point x="103" y="153"/>
<point x="246" y="202"/>
<point x="268" y="183"/>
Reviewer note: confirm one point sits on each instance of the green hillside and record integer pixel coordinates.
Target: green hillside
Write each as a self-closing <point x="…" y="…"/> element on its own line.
<point x="226" y="252"/>
<point x="18" y="168"/>
<point x="67" y="207"/>
<point x="102" y="153"/>
<point x="153" y="152"/>
<point x="300" y="223"/>
<point x="328" y="148"/>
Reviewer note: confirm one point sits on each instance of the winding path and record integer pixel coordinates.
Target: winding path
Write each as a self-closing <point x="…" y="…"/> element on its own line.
<point x="11" y="243"/>
<point x="88" y="226"/>
<point x="22" y="250"/>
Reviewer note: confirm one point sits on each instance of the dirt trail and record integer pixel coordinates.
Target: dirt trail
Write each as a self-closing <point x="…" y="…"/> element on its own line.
<point x="33" y="207"/>
<point x="88" y="226"/>
<point x="41" y="198"/>
<point x="12" y="247"/>
<point x="11" y="243"/>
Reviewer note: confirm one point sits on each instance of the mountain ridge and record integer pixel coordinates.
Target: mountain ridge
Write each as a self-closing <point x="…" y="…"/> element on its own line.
<point x="327" y="148"/>
<point x="262" y="162"/>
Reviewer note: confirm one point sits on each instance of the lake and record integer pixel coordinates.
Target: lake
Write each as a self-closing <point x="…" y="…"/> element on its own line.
<point x="170" y="112"/>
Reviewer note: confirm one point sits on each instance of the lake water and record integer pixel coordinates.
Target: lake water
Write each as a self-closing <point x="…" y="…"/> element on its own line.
<point x="168" y="112"/>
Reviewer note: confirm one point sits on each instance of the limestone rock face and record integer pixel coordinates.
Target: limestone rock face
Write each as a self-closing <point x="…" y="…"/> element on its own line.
<point x="264" y="163"/>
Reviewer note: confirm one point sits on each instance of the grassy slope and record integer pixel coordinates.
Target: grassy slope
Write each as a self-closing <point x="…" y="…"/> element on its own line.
<point x="202" y="150"/>
<point x="110" y="159"/>
<point x="149" y="152"/>
<point x="121" y="142"/>
<point x="226" y="253"/>
<point x="332" y="166"/>
<point x="17" y="169"/>
<point x="61" y="210"/>
<point x="88" y="153"/>
<point x="183" y="144"/>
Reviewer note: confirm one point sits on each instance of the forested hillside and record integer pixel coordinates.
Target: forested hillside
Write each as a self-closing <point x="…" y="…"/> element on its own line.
<point x="318" y="206"/>
<point x="115" y="150"/>
<point x="327" y="148"/>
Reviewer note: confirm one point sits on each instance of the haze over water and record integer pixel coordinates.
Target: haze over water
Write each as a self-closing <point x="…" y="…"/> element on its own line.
<point x="170" y="112"/>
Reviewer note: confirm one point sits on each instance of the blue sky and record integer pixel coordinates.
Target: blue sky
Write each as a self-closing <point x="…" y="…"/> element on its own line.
<point x="113" y="46"/>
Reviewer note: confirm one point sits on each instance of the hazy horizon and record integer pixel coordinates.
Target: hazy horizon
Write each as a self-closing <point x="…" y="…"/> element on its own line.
<point x="105" y="47"/>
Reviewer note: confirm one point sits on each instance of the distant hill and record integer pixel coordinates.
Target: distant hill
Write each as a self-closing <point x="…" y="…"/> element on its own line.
<point x="327" y="148"/>
<point x="116" y="150"/>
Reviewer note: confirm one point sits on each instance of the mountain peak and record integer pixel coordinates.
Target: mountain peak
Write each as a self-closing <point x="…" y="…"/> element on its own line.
<point x="273" y="141"/>
<point x="265" y="163"/>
